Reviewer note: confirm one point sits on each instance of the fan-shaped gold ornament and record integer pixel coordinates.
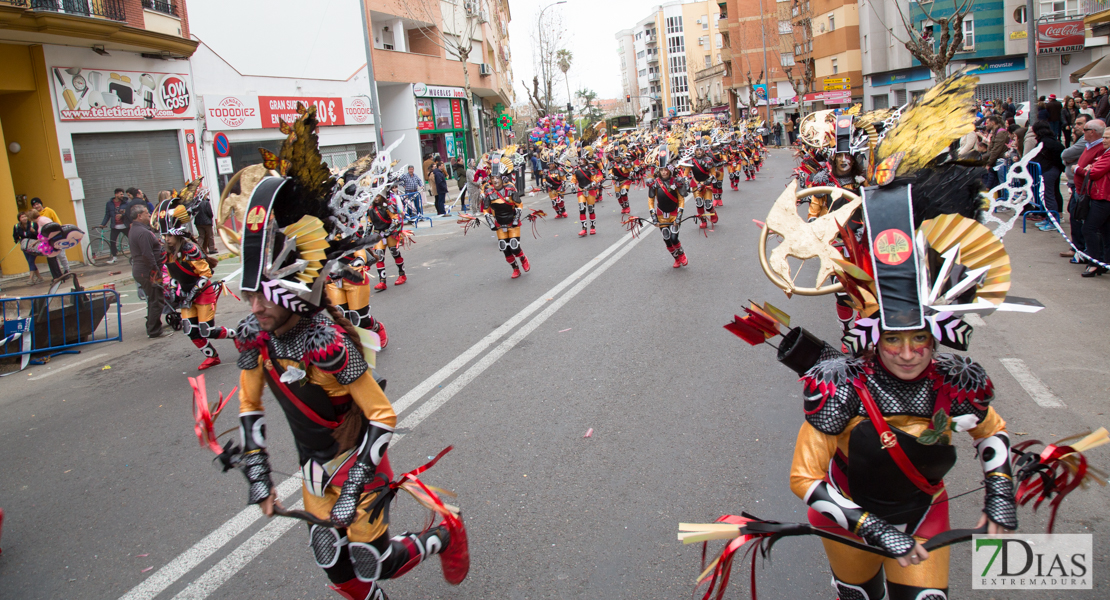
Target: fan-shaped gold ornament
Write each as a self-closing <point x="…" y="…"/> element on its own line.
<point x="978" y="248"/>
<point x="312" y="245"/>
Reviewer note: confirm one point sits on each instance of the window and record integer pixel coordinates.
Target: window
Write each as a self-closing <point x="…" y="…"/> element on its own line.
<point x="679" y="84"/>
<point x="969" y="33"/>
<point x="879" y="101"/>
<point x="720" y="40"/>
<point x="643" y="72"/>
<point x="676" y="45"/>
<point x="785" y="28"/>
<point x="678" y="64"/>
<point x="704" y="21"/>
<point x="637" y="36"/>
<point x="640" y="54"/>
<point x="1058" y="6"/>
<point x="674" y="25"/>
<point x="1019" y="15"/>
<point x="865" y="43"/>
<point x="832" y="22"/>
<point x="708" y="61"/>
<point x="835" y="67"/>
<point x="787" y="59"/>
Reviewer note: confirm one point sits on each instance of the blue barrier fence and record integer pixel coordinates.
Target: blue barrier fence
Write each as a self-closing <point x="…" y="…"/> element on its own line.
<point x="59" y="322"/>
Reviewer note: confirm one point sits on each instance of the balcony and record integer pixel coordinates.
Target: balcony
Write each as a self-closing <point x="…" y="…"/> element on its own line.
<point x="653" y="58"/>
<point x="651" y="40"/>
<point x="1097" y="11"/>
<point x="168" y="7"/>
<point x="653" y="78"/>
<point x="107" y="9"/>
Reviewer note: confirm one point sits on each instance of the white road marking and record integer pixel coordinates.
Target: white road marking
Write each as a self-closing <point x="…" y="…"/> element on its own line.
<point x="1032" y="384"/>
<point x="489" y="359"/>
<point x="439" y="376"/>
<point x="187" y="561"/>
<point x="246" y="552"/>
<point x="133" y="312"/>
<point x="53" y="372"/>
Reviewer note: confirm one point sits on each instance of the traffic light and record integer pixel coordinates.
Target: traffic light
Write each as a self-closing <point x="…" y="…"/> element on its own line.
<point x="570" y="108"/>
<point x="628" y="97"/>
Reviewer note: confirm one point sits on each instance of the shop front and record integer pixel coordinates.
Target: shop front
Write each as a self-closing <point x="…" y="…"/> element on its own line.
<point x="441" y="121"/>
<point x="346" y="130"/>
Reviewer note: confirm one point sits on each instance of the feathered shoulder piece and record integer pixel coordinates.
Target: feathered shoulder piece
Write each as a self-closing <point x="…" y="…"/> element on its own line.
<point x="963" y="379"/>
<point x="822" y="379"/>
<point x="302" y="163"/>
<point x="324" y="345"/>
<point x="249" y="335"/>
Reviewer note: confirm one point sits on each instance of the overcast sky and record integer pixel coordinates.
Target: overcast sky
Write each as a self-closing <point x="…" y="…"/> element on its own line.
<point x="253" y="35"/>
<point x="591" y="27"/>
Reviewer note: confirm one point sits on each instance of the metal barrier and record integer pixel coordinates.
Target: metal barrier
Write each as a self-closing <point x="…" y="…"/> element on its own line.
<point x="58" y="322"/>
<point x="414" y="209"/>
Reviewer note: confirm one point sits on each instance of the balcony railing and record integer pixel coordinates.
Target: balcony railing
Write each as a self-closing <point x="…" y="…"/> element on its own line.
<point x="108" y="9"/>
<point x="168" y="7"/>
<point x="1091" y="7"/>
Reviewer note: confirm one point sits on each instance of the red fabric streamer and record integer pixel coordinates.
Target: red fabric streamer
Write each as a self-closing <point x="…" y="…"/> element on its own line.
<point x="1057" y="479"/>
<point x="204" y="415"/>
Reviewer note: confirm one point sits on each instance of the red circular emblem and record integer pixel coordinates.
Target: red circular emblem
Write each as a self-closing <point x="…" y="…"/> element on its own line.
<point x="256" y="218"/>
<point x="174" y="94"/>
<point x="888" y="440"/>
<point x="892" y="247"/>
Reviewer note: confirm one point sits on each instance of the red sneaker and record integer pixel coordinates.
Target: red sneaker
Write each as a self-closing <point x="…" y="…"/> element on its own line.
<point x="524" y="263"/>
<point x="516" y="273"/>
<point x="209" y="362"/>
<point x="677" y="263"/>
<point x="592" y="231"/>
<point x="582" y="233"/>
<point x="382" y="335"/>
<point x="626" y="210"/>
<point x="702" y="225"/>
<point x="381" y="286"/>
<point x="455" y="559"/>
<point x="713" y="218"/>
<point x="682" y="259"/>
<point x="354" y="589"/>
<point x="401" y="279"/>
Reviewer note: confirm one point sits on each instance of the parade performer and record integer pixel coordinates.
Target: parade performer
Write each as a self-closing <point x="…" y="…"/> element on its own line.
<point x="348" y="289"/>
<point x="701" y="169"/>
<point x="504" y="215"/>
<point x="666" y="199"/>
<point x="190" y="289"/>
<point x="734" y="159"/>
<point x="387" y="223"/>
<point x="871" y="458"/>
<point x="314" y="365"/>
<point x="719" y="154"/>
<point x="621" y="173"/>
<point x="588" y="177"/>
<point x="553" y="184"/>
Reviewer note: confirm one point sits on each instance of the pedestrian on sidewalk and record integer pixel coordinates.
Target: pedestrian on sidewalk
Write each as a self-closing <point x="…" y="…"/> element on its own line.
<point x="1070" y="158"/>
<point x="46" y="211"/>
<point x="148" y="254"/>
<point x="1096" y="228"/>
<point x="440" y="179"/>
<point x="413" y="186"/>
<point x="203" y="218"/>
<point x="26" y="235"/>
<point x="473" y="189"/>
<point x="1051" y="164"/>
<point x="115" y="211"/>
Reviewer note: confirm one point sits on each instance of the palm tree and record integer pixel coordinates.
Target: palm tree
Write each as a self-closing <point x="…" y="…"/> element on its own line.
<point x="564" y="58"/>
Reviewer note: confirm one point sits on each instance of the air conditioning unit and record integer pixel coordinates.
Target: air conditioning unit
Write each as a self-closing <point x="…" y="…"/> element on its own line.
<point x="471" y="9"/>
<point x="483" y="17"/>
<point x="485" y="69"/>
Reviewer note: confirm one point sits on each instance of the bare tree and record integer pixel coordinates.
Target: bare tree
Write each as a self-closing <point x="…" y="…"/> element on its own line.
<point x="454" y="32"/>
<point x="797" y="46"/>
<point x="924" y="44"/>
<point x="548" y="36"/>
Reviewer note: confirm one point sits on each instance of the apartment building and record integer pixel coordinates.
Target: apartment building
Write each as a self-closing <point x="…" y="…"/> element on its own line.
<point x="758" y="44"/>
<point x="662" y="52"/>
<point x="995" y="46"/>
<point x="94" y="95"/>
<point x="421" y="85"/>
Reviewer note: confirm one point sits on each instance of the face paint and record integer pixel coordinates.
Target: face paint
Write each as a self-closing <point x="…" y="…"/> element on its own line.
<point x="906" y="353"/>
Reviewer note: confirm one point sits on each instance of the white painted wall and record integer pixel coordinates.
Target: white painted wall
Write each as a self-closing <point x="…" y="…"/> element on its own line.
<point x="398" y="107"/>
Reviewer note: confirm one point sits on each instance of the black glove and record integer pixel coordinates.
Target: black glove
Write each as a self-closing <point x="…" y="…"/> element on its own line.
<point x="875" y="531"/>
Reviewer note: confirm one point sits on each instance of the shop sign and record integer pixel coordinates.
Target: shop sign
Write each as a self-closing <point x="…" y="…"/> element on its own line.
<point x="424" y="119"/>
<point x="1019" y="35"/>
<point x="194" y="157"/>
<point x="107" y="95"/>
<point x="829" y="97"/>
<point x="456" y="114"/>
<point x="1060" y="37"/>
<point x="423" y="90"/>
<point x="450" y="142"/>
<point x="997" y="65"/>
<point x="224" y="113"/>
<point x="832" y="87"/>
<point x="919" y="74"/>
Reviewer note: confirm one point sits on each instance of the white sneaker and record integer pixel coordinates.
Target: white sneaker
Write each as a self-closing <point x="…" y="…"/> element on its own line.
<point x="112" y="260"/>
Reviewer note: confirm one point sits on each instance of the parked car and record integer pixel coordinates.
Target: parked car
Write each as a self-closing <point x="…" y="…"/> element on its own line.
<point x="1022" y="116"/>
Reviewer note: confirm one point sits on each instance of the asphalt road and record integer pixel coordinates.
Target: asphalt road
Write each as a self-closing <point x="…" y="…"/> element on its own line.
<point x="107" y="494"/>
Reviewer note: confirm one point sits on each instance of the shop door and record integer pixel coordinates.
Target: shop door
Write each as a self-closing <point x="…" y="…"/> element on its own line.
<point x="148" y="160"/>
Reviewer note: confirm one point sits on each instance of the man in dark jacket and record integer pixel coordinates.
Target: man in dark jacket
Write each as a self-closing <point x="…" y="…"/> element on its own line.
<point x="997" y="148"/>
<point x="441" y="188"/>
<point x="203" y="220"/>
<point x="136" y="199"/>
<point x="115" y="214"/>
<point x="148" y="255"/>
<point x="1102" y="109"/>
<point x="1055" y="117"/>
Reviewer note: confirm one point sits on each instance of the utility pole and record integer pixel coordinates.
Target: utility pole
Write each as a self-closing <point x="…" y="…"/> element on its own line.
<point x="1031" y="61"/>
<point x="370" y="73"/>
<point x="767" y="73"/>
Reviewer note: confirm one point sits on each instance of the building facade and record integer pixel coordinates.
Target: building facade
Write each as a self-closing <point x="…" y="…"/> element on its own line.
<point x="93" y="96"/>
<point x="421" y="86"/>
<point x="758" y="44"/>
<point x="995" y="47"/>
<point x="662" y="52"/>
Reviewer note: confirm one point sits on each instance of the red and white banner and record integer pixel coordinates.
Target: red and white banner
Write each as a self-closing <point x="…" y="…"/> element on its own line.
<point x="838" y="97"/>
<point x="223" y="113"/>
<point x="107" y="95"/>
<point x="194" y="158"/>
<point x="1060" y="37"/>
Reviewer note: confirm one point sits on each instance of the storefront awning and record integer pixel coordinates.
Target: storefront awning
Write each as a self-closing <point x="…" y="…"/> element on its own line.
<point x="1099" y="74"/>
<point x="1083" y="71"/>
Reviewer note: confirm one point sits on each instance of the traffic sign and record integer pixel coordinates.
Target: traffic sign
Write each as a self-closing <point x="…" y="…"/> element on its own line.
<point x="224" y="166"/>
<point x="221" y="145"/>
<point x="831" y="87"/>
<point x="829" y="80"/>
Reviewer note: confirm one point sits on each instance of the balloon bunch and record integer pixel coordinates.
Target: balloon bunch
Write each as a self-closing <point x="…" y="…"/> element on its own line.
<point x="553" y="129"/>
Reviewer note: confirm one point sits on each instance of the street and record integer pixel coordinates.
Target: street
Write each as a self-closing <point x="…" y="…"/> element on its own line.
<point x="108" y="496"/>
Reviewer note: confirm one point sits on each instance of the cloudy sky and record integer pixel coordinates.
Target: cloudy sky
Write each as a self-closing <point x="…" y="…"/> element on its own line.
<point x="591" y="26"/>
<point x="330" y="42"/>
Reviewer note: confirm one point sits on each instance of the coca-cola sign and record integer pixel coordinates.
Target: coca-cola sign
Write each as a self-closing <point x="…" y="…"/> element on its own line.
<point x="1060" y="37"/>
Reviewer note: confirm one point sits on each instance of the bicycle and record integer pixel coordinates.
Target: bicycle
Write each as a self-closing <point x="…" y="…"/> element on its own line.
<point x="100" y="249"/>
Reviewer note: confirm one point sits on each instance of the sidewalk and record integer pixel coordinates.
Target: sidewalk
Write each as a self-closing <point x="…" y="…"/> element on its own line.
<point x="90" y="277"/>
